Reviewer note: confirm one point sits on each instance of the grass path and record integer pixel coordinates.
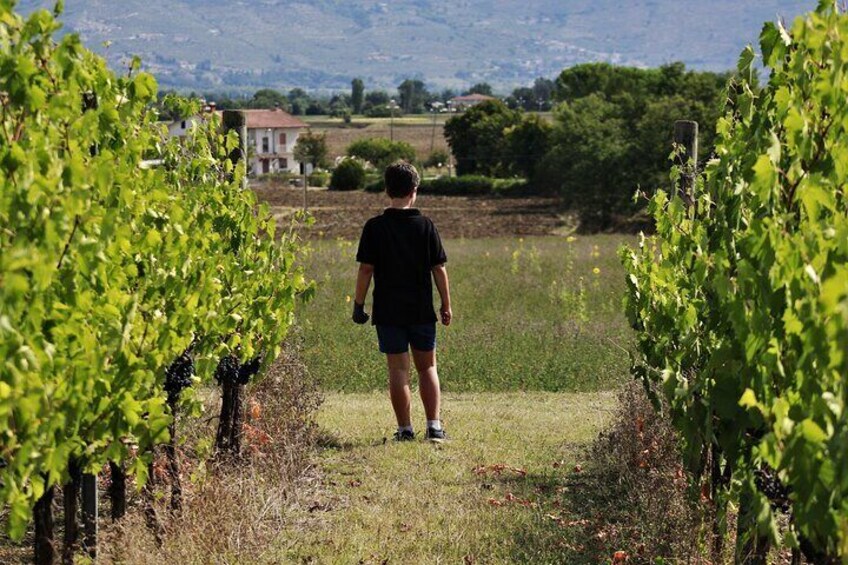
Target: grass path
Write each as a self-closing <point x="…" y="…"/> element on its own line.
<point x="490" y="495"/>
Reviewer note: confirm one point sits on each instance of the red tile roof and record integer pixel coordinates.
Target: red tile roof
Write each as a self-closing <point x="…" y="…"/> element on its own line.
<point x="271" y="119"/>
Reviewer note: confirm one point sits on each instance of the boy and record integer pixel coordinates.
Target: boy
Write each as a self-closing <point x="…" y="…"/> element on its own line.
<point x="401" y="249"/>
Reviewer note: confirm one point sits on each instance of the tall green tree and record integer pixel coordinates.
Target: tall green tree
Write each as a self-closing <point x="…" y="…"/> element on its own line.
<point x="589" y="162"/>
<point x="527" y="143"/>
<point x="635" y="110"/>
<point x="312" y="148"/>
<point x="477" y="137"/>
<point x="381" y="152"/>
<point x="413" y="96"/>
<point x="543" y="92"/>
<point x="481" y="88"/>
<point x="357" y="95"/>
<point x="267" y="99"/>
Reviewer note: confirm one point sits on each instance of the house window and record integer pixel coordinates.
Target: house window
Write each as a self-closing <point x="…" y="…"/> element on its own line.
<point x="265" y="145"/>
<point x="266" y="166"/>
<point x="282" y="139"/>
<point x="182" y="125"/>
<point x="283" y="164"/>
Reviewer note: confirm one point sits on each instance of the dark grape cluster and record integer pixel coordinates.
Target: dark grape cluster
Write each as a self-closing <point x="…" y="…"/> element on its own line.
<point x="227" y="370"/>
<point x="178" y="376"/>
<point x="231" y="371"/>
<point x="769" y="484"/>
<point x="249" y="369"/>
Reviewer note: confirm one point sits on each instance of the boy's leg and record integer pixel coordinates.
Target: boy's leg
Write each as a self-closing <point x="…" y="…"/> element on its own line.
<point x="399" y="387"/>
<point x="428" y="379"/>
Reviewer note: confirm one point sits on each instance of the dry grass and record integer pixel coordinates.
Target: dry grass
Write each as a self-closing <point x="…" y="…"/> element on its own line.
<point x="481" y="498"/>
<point x="234" y="510"/>
<point x="635" y="496"/>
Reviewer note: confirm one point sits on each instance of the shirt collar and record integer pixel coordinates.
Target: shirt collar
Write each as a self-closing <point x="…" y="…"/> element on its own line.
<point x="402" y="212"/>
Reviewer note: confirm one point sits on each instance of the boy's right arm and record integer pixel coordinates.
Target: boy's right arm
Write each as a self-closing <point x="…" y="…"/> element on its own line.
<point x="440" y="275"/>
<point x="363" y="281"/>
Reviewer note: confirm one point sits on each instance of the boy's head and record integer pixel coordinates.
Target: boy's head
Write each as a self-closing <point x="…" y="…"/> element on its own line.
<point x="401" y="179"/>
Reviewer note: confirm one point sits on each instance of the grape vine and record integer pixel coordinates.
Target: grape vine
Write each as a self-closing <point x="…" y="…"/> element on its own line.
<point x="740" y="301"/>
<point x="109" y="271"/>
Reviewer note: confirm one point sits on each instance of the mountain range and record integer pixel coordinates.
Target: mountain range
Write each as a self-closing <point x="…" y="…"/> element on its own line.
<point x="239" y="46"/>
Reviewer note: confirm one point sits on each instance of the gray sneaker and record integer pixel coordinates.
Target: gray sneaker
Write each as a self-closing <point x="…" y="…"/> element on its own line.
<point x="435" y="436"/>
<point x="404" y="435"/>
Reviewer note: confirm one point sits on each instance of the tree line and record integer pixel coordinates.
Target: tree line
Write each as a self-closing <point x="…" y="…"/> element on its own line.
<point x="411" y="97"/>
<point x="610" y="134"/>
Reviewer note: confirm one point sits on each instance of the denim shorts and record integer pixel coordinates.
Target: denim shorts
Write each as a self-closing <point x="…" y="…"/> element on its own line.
<point x="397" y="339"/>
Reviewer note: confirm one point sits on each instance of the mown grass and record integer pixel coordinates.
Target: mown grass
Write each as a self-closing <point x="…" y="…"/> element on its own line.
<point x="490" y="495"/>
<point x="536" y="314"/>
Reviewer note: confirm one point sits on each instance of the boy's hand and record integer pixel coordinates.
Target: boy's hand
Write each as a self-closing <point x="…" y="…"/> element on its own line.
<point x="447" y="314"/>
<point x="359" y="314"/>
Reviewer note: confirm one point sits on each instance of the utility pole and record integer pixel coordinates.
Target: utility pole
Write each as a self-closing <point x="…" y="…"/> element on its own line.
<point x="392" y="106"/>
<point x="434" y="108"/>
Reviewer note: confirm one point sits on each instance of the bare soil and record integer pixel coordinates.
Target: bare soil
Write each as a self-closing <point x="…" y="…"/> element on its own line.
<point x="342" y="214"/>
<point x="424" y="135"/>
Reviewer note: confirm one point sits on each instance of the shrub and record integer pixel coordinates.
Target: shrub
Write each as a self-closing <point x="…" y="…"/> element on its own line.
<point x="379" y="111"/>
<point x="281" y="177"/>
<point x="375" y="185"/>
<point x="381" y="152"/>
<point x="469" y="185"/>
<point x="348" y="175"/>
<point x="319" y="178"/>
<point x="438" y="158"/>
<point x="466" y="185"/>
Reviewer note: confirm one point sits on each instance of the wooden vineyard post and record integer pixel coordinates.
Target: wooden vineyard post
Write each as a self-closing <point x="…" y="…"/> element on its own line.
<point x="89" y="513"/>
<point x="118" y="491"/>
<point x="71" y="494"/>
<point x="686" y="138"/>
<point x="43" y="514"/>
<point x="173" y="462"/>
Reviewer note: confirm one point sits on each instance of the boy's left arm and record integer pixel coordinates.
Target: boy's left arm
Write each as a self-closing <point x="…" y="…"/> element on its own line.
<point x="440" y="275"/>
<point x="363" y="281"/>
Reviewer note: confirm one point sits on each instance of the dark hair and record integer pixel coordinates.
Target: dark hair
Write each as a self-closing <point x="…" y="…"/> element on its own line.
<point x="401" y="179"/>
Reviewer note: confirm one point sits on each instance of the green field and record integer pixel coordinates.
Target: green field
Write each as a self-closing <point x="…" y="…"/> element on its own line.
<point x="538" y="314"/>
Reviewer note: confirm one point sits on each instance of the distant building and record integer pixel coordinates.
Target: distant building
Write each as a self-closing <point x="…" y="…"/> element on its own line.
<point x="459" y="103"/>
<point x="271" y="137"/>
<point x="179" y="128"/>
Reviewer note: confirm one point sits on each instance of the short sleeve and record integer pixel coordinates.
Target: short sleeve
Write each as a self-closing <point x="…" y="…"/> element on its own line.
<point x="437" y="251"/>
<point x="367" y="251"/>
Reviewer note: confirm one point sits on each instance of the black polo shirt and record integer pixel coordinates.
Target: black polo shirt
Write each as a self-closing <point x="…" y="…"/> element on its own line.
<point x="404" y="246"/>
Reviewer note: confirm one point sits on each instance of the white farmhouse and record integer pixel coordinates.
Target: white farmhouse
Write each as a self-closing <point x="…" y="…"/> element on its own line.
<point x="271" y="137"/>
<point x="180" y="128"/>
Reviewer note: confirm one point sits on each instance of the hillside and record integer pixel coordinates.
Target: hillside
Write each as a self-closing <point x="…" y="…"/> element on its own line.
<point x="233" y="45"/>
